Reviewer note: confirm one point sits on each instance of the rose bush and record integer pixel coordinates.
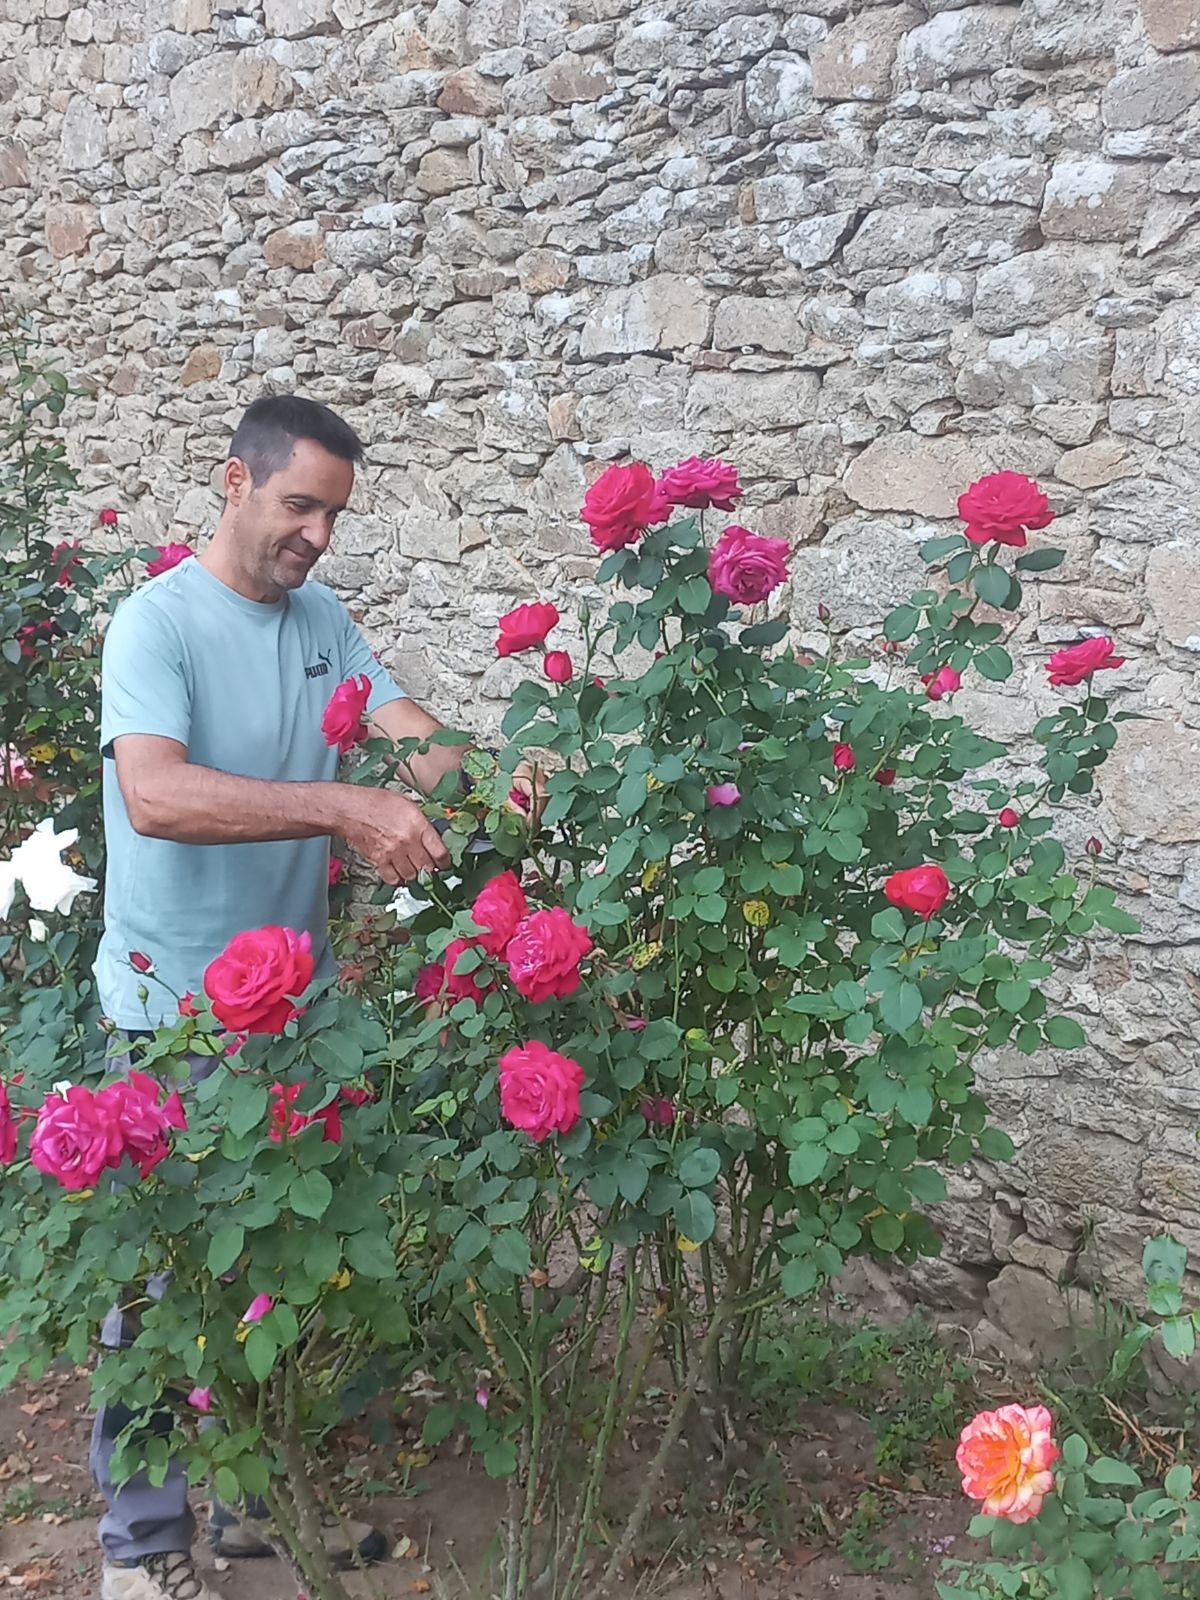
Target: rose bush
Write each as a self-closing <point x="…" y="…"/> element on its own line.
<point x="656" y="1062"/>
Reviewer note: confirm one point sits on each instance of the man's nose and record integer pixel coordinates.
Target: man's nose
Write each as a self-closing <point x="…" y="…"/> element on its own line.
<point x="318" y="531"/>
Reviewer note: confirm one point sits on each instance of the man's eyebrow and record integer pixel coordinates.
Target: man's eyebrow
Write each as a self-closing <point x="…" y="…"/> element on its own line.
<point x="311" y="500"/>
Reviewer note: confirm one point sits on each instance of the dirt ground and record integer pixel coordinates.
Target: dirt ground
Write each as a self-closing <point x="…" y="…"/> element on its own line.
<point x="442" y="1530"/>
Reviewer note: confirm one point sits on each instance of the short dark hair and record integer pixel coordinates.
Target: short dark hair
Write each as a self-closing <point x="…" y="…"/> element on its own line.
<point x="266" y="436"/>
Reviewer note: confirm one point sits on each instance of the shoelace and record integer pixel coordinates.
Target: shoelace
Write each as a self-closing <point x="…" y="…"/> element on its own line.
<point x="175" y="1574"/>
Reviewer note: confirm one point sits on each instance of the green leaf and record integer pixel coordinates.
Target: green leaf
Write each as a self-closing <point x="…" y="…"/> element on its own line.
<point x="694" y="596"/>
<point x="254" y="1475"/>
<point x="935" y="549"/>
<point x="902" y="623"/>
<point x="993" y="585"/>
<point x="1072" y="1577"/>
<point x="1040" y="560"/>
<point x="224" y="1248"/>
<point x="807" y="1164"/>
<point x="697" y="1170"/>
<point x="888" y="926"/>
<point x="261" y="1351"/>
<point x="1074" y="1452"/>
<point x="1012" y="994"/>
<point x="500" y="1459"/>
<point x="1146" y="1585"/>
<point x="901" y="1006"/>
<point x="887" y="1232"/>
<point x="309" y="1194"/>
<point x="695" y="1217"/>
<point x="1179" y="1338"/>
<point x="510" y="1252"/>
<point x="996" y="1145"/>
<point x="994" y="664"/>
<point x="1108" y="1470"/>
<point x="472" y="1240"/>
<point x="226" y="1484"/>
<point x="371" y="1255"/>
<point x="1064" y="1033"/>
<point x="1178" y="1483"/>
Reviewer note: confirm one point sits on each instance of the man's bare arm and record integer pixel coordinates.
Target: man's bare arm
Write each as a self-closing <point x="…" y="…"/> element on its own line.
<point x="169" y="797"/>
<point x="404" y="719"/>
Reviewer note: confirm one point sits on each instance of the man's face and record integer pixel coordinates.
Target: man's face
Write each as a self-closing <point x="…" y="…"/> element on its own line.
<point x="282" y="527"/>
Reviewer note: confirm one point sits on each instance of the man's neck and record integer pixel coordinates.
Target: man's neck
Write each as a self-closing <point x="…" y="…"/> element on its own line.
<point x="216" y="558"/>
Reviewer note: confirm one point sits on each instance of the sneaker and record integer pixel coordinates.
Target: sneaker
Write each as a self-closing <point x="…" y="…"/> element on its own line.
<point x="241" y="1538"/>
<point x="169" y="1576"/>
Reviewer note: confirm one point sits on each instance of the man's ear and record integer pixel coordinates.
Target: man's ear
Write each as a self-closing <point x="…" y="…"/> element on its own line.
<point x="239" y="485"/>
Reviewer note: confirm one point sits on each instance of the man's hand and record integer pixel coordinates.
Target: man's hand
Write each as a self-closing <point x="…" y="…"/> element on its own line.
<point x="392" y="833"/>
<point x="530" y="780"/>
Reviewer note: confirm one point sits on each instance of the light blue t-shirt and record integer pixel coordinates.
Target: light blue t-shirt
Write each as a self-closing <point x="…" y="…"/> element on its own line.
<point x="244" y="686"/>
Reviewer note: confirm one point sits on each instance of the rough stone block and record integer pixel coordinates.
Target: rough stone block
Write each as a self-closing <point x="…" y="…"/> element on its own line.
<point x="1156" y="93"/>
<point x="1093" y="199"/>
<point x="1173" y="590"/>
<point x="763" y="323"/>
<point x="1093" y="465"/>
<point x="1151" y="782"/>
<point x="778" y="87"/>
<point x="68" y="229"/>
<point x="810" y="244"/>
<point x="1006" y="180"/>
<point x="920" y="305"/>
<point x="443" y="171"/>
<point x="857" y="59"/>
<point x="905" y="472"/>
<point x="84" y="135"/>
<point x="1054" y="33"/>
<point x="1036" y="287"/>
<point x="958" y="44"/>
<point x="722" y="401"/>
<point x="295" y="19"/>
<point x="1033" y="369"/>
<point x="1171" y="24"/>
<point x="667" y="312"/>
<point x="299" y="246"/>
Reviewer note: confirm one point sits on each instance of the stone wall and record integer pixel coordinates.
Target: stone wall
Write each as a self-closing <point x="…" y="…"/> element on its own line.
<point x="867" y="251"/>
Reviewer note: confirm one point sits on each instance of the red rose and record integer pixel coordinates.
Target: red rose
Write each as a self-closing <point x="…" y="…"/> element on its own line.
<point x="188" y="1006"/>
<point x="557" y="666"/>
<point x="1093" y="846"/>
<point x="343" y="723"/>
<point x="886" y="776"/>
<point x="843" y="758"/>
<point x="1001" y="507"/>
<point x="1008" y="818"/>
<point x="282" y="1117"/>
<point x="254" y="983"/>
<point x="336" y="868"/>
<point x="107" y="518"/>
<point x="169" y="555"/>
<point x="471" y="985"/>
<point x="746" y="568"/>
<point x="544" y="954"/>
<point x="621" y="504"/>
<point x="8" y="1128"/>
<point x="76" y="1137"/>
<point x="698" y="483"/>
<point x="64" y="559"/>
<point x="141" y="1120"/>
<point x="924" y="890"/>
<point x="428" y="983"/>
<point x="526" y="627"/>
<point x="140" y="962"/>
<point x="941" y="684"/>
<point x="1078" y="661"/>
<point x="499" y="908"/>
<point x="539" y="1090"/>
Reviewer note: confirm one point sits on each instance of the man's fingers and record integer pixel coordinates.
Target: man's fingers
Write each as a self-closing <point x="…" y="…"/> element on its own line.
<point x="438" y="855"/>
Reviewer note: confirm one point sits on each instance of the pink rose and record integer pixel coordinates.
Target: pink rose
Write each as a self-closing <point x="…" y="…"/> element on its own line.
<point x="1008" y="818"/>
<point x="557" y="666"/>
<point x="1093" y="846"/>
<point x="64" y="559"/>
<point x="923" y="889"/>
<point x="336" y="867"/>
<point x="8" y="1128"/>
<point x="15" y="772"/>
<point x="200" y="1400"/>
<point x="428" y="983"/>
<point x="519" y="799"/>
<point x="539" y="1090"/>
<point x="544" y="955"/>
<point x="941" y="684"/>
<point x="886" y="776"/>
<point x="622" y="503"/>
<point x="525" y="628"/>
<point x="283" y="1119"/>
<point x="1078" y="661"/>
<point x="342" y="723"/>
<point x="107" y="518"/>
<point x="77" y="1137"/>
<point x="258" y="1308"/>
<point x="169" y="555"/>
<point x="140" y="962"/>
<point x="1001" y="506"/>
<point x="1005" y="1458"/>
<point x="134" y="1103"/>
<point x="499" y="908"/>
<point x="843" y="758"/>
<point x="723" y="794"/>
<point x="256" y="979"/>
<point x="188" y="1006"/>
<point x="658" y="1113"/>
<point x="698" y="483"/>
<point x="745" y="568"/>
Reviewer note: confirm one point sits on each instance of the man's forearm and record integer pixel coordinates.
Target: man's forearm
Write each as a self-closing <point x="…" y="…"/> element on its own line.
<point x="200" y="805"/>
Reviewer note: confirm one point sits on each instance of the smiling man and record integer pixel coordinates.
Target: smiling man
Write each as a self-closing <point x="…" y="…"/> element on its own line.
<point x="220" y="798"/>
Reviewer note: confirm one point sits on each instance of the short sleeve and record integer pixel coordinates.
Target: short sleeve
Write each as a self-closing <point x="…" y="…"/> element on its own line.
<point x="359" y="658"/>
<point x="143" y="677"/>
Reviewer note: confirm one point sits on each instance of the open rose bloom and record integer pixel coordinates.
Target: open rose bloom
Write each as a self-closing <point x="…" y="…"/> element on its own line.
<point x="255" y="981"/>
<point x="1005" y="1458"/>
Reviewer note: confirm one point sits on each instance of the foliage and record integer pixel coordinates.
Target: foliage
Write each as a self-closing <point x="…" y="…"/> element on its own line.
<point x="777" y="1063"/>
<point x="1105" y="1531"/>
